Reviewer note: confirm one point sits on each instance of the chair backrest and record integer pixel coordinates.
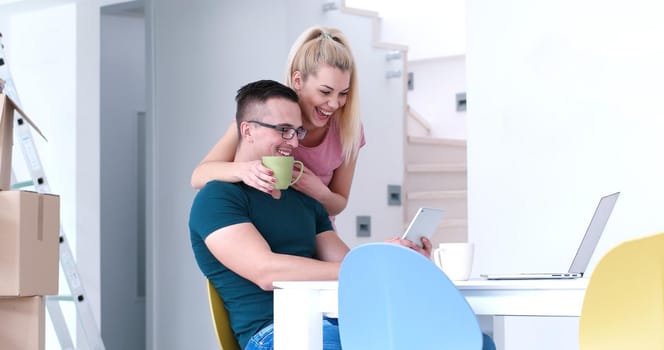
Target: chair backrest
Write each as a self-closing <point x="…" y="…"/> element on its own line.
<point x="391" y="297"/>
<point x="222" y="325"/>
<point x="623" y="307"/>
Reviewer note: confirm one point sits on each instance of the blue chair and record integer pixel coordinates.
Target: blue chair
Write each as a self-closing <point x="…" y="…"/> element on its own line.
<point x="391" y="297"/>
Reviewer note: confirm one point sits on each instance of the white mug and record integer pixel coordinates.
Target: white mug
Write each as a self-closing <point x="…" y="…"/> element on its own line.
<point x="455" y="259"/>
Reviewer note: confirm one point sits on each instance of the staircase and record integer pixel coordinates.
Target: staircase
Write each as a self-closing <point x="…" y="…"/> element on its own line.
<point x="435" y="169"/>
<point x="435" y="176"/>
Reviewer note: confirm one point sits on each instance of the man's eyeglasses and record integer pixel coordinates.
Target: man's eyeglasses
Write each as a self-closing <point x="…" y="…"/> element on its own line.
<point x="287" y="131"/>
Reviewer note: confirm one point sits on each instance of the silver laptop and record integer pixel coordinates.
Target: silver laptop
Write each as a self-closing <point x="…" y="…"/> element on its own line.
<point x="583" y="254"/>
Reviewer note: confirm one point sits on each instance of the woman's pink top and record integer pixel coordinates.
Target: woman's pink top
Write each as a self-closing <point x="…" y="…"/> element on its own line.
<point x="326" y="157"/>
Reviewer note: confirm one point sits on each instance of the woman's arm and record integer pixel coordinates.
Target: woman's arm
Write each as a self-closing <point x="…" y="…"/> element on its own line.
<point x="218" y="164"/>
<point x="335" y="196"/>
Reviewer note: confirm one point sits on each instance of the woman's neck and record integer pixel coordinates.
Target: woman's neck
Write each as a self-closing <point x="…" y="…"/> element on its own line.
<point x="315" y="136"/>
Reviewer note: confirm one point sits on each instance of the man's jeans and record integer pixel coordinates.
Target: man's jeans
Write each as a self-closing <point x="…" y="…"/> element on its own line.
<point x="264" y="339"/>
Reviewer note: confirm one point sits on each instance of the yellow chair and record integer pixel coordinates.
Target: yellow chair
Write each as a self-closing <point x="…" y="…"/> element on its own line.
<point x="222" y="325"/>
<point x="623" y="307"/>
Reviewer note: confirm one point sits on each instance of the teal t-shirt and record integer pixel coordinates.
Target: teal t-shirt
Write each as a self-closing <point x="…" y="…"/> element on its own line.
<point x="289" y="225"/>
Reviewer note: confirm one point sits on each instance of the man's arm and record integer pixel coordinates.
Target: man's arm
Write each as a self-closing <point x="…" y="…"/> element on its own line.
<point x="242" y="249"/>
<point x="329" y="247"/>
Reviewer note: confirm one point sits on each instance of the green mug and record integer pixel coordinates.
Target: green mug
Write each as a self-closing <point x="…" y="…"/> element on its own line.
<point x="282" y="166"/>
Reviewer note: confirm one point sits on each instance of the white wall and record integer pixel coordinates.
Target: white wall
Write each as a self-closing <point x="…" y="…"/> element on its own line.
<point x="87" y="151"/>
<point x="562" y="114"/>
<point x="565" y="107"/>
<point x="436" y="83"/>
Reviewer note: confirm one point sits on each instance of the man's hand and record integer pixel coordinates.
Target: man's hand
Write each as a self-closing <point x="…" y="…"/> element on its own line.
<point x="426" y="243"/>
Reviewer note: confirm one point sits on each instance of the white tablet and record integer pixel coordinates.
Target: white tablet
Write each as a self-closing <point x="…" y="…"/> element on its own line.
<point x="424" y="223"/>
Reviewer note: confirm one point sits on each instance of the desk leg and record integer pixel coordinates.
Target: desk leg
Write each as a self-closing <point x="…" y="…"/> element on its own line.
<point x="298" y="321"/>
<point x="499" y="332"/>
<point x="536" y="332"/>
<point x="493" y="326"/>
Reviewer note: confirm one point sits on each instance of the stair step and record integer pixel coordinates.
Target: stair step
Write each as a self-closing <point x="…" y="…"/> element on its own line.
<point x="430" y="140"/>
<point x="427" y="150"/>
<point x="435" y="177"/>
<point x="454" y="203"/>
<point x="459" y="194"/>
<point x="436" y="167"/>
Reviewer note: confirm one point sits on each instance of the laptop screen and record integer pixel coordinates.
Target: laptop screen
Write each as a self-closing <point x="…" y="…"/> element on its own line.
<point x="593" y="233"/>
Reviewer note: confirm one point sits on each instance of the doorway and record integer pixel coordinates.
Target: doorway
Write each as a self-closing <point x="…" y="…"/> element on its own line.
<point x="122" y="179"/>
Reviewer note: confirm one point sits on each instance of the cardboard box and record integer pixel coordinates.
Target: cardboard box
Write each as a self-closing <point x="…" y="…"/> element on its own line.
<point x="7" y="108"/>
<point x="29" y="243"/>
<point x="22" y="321"/>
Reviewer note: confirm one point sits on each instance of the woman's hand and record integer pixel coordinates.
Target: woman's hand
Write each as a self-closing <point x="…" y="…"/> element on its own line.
<point x="260" y="177"/>
<point x="309" y="183"/>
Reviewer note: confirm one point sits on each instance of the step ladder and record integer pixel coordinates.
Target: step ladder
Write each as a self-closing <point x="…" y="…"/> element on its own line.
<point x="39" y="183"/>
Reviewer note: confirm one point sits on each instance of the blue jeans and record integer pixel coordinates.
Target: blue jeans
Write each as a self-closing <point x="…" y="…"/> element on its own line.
<point x="487" y="343"/>
<point x="264" y="339"/>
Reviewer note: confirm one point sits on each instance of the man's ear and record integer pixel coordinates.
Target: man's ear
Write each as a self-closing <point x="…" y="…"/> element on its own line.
<point x="297" y="80"/>
<point x="246" y="132"/>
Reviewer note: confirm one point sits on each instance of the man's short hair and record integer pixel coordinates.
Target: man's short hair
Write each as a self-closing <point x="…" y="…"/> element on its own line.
<point x="259" y="92"/>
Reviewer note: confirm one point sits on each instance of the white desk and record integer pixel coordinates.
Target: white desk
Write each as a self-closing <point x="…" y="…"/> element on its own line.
<point x="300" y="305"/>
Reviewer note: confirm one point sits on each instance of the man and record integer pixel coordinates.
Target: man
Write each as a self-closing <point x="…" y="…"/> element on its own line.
<point x="244" y="239"/>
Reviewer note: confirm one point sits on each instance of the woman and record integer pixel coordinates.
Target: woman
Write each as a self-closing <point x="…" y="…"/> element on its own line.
<point x="321" y="69"/>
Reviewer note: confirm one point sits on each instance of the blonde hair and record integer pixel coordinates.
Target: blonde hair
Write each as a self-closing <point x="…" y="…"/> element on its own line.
<point x="319" y="45"/>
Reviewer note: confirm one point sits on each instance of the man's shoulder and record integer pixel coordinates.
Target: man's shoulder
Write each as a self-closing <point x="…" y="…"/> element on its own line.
<point x="308" y="200"/>
<point x="216" y="185"/>
<point x="219" y="190"/>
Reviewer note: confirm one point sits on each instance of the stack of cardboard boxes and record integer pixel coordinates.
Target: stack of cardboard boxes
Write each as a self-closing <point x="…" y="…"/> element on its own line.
<point x="29" y="243"/>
